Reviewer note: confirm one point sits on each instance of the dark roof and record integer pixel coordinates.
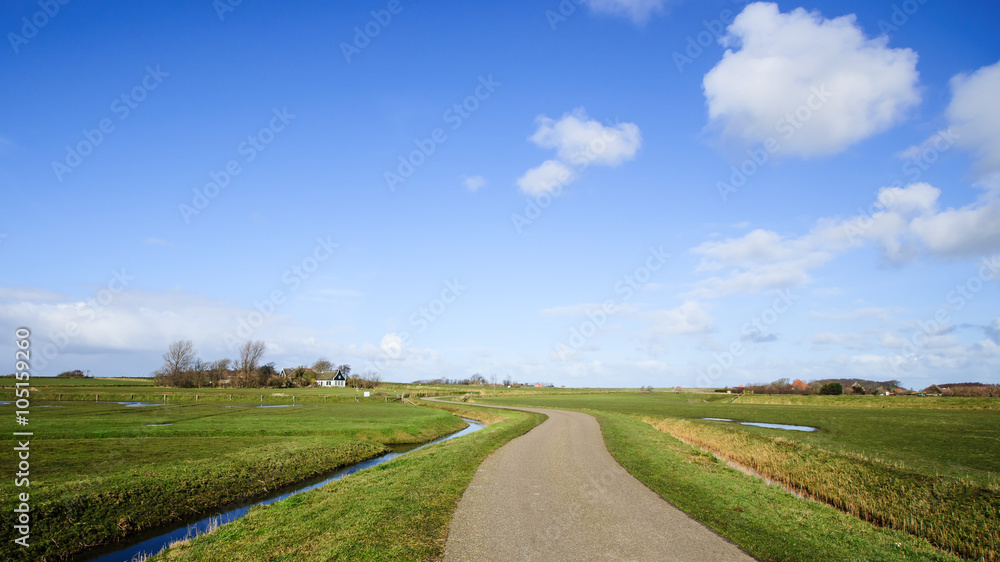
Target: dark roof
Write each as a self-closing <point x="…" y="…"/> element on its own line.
<point x="331" y="375"/>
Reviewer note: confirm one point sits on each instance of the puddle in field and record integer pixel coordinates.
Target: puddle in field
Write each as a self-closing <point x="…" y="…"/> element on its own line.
<point x="6" y="402"/>
<point x="155" y="540"/>
<point x="277" y="406"/>
<point x="158" y="424"/>
<point x="784" y="426"/>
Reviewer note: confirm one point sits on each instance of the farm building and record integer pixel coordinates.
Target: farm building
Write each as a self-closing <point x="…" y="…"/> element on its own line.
<point x="331" y="378"/>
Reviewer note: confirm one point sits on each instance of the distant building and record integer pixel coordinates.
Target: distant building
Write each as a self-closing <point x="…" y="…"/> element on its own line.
<point x="932" y="390"/>
<point x="799" y="385"/>
<point x="331" y="378"/>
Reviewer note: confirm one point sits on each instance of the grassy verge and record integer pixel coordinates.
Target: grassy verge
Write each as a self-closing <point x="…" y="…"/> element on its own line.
<point x="952" y="513"/>
<point x="100" y="473"/>
<point x="767" y="521"/>
<point x="395" y="511"/>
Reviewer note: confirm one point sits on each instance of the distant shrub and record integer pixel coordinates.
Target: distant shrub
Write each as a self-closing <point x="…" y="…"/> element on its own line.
<point x="832" y="389"/>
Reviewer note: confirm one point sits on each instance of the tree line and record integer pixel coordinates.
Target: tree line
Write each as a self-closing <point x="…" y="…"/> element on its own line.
<point x="182" y="368"/>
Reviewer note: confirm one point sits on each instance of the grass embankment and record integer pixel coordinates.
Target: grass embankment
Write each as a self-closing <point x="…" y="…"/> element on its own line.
<point x="767" y="521"/>
<point x="100" y="473"/>
<point x="931" y="471"/>
<point x="399" y="510"/>
<point x="952" y="513"/>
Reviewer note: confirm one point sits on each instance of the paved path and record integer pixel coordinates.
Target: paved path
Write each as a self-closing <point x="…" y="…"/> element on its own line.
<point x="556" y="493"/>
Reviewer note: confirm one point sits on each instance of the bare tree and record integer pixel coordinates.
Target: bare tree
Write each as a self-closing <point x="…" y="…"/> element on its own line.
<point x="219" y="371"/>
<point x="322" y="365"/>
<point x="345" y="369"/>
<point x="250" y="354"/>
<point x="179" y="358"/>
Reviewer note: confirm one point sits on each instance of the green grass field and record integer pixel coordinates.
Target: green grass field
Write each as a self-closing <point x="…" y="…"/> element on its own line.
<point x="930" y="472"/>
<point x="396" y="511"/>
<point x="103" y="471"/>
<point x="954" y="441"/>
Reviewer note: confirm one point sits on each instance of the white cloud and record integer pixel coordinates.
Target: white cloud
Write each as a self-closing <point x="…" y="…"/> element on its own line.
<point x="975" y="115"/>
<point x="392" y="344"/>
<point x="689" y="318"/>
<point x="547" y="177"/>
<point x="639" y="11"/>
<point x="908" y="224"/>
<point x="764" y="260"/>
<point x="473" y="183"/>
<point x="844" y="86"/>
<point x="579" y="143"/>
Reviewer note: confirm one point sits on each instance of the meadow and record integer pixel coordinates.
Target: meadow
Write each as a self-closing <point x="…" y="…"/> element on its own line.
<point x="395" y="511"/>
<point x="926" y="470"/>
<point x="103" y="471"/>
<point x="896" y="478"/>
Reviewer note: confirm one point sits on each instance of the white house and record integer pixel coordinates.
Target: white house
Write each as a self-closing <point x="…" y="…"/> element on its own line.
<point x="331" y="378"/>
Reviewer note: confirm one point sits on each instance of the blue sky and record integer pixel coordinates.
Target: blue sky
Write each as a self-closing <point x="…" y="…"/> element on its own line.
<point x="550" y="191"/>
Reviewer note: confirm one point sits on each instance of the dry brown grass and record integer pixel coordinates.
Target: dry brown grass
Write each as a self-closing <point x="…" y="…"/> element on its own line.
<point x="952" y="513"/>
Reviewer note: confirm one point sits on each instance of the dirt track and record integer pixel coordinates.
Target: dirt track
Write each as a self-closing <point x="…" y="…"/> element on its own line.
<point x="556" y="493"/>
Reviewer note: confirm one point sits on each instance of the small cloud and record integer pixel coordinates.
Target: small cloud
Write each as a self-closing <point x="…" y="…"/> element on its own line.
<point x="157" y="242"/>
<point x="639" y="11"/>
<point x="473" y="183"/>
<point x="550" y="175"/>
<point x="580" y="142"/>
<point x="757" y="337"/>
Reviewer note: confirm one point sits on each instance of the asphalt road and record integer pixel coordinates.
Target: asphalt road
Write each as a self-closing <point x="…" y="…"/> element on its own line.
<point x="556" y="493"/>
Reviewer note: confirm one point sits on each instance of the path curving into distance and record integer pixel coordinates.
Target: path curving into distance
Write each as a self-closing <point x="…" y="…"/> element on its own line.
<point x="556" y="493"/>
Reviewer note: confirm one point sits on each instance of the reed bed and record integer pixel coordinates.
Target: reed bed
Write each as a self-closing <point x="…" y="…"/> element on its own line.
<point x="954" y="514"/>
